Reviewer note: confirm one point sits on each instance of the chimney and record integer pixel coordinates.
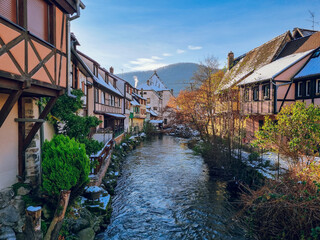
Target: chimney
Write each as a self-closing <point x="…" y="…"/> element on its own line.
<point x="171" y="91"/>
<point x="148" y="82"/>
<point x="230" y="60"/>
<point x="111" y="70"/>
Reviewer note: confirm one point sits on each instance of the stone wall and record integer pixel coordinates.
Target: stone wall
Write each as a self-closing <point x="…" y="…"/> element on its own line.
<point x="12" y="213"/>
<point x="32" y="153"/>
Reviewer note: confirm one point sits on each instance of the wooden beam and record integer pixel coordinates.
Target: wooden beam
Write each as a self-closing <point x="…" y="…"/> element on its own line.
<point x="6" y="109"/>
<point x="37" y="125"/>
<point x="28" y="120"/>
<point x="21" y="136"/>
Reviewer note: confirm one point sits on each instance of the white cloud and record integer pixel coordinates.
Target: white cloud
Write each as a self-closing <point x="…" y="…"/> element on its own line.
<point x="156" y="58"/>
<point x="146" y="67"/>
<point x="141" y="61"/>
<point x="166" y="54"/>
<point x="194" y="47"/>
<point x="179" y="51"/>
<point x="143" y="64"/>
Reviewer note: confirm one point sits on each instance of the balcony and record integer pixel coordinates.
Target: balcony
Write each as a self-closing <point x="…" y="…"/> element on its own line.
<point x="102" y="108"/>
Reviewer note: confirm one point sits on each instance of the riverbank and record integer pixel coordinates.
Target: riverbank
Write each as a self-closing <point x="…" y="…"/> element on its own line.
<point x="91" y="213"/>
<point x="165" y="192"/>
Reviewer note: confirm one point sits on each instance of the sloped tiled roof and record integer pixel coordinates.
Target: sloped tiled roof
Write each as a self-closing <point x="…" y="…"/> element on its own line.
<point x="312" y="42"/>
<point x="301" y="45"/>
<point x="273" y="69"/>
<point x="255" y="59"/>
<point x="292" y="46"/>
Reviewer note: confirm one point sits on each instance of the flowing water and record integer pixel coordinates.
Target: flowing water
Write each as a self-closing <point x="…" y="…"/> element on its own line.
<point x="165" y="192"/>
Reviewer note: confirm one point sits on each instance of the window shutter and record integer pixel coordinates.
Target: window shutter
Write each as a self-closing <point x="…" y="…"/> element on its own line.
<point x="8" y="9"/>
<point x="38" y="18"/>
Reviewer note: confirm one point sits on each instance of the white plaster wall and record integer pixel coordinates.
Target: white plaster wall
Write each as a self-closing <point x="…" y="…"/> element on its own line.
<point x="48" y="131"/>
<point x="8" y="147"/>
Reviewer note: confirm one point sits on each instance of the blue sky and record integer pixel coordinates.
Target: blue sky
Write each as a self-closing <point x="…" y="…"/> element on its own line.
<point x="143" y="35"/>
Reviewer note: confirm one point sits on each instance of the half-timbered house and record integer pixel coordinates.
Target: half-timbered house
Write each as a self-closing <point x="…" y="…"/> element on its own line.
<point x="157" y="95"/>
<point x="139" y="111"/>
<point x="34" y="54"/>
<point x="107" y="99"/>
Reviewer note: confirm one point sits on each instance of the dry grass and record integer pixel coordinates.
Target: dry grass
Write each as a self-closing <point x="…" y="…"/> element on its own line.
<point x="288" y="208"/>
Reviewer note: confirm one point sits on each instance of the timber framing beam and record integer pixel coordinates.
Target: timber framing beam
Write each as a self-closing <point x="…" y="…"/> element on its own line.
<point x="6" y="109"/>
<point x="38" y="124"/>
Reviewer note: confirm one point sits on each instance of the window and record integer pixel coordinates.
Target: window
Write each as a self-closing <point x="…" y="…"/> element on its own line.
<point x="255" y="93"/>
<point x="39" y="14"/>
<point x="260" y="124"/>
<point x="155" y="108"/>
<point x="165" y="121"/>
<point x="96" y="95"/>
<point x="145" y="93"/>
<point x="8" y="9"/>
<point x="308" y="88"/>
<point x="246" y="95"/>
<point x="318" y="86"/>
<point x="299" y="89"/>
<point x="119" y="102"/>
<point x="148" y="100"/>
<point x="102" y="98"/>
<point x="266" y="91"/>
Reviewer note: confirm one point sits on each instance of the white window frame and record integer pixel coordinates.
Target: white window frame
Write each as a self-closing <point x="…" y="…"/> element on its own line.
<point x="308" y="88"/>
<point x="317" y="86"/>
<point x="102" y="98"/>
<point x="299" y="93"/>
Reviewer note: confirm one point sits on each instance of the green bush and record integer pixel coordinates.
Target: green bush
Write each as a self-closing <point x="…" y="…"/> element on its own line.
<point x="75" y="126"/>
<point x="254" y="156"/>
<point x="65" y="165"/>
<point x="149" y="129"/>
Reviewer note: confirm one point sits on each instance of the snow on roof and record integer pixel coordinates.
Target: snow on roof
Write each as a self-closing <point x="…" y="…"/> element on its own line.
<point x="147" y="87"/>
<point x="156" y="121"/>
<point x="273" y="69"/>
<point x="312" y="67"/>
<point x="134" y="102"/>
<point x="33" y="209"/>
<point x="116" y="115"/>
<point x="101" y="81"/>
<point x="153" y="113"/>
<point x="138" y="96"/>
<point x="254" y="59"/>
<point x="155" y="83"/>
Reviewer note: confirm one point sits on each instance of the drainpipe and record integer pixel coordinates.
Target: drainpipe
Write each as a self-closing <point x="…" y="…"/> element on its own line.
<point x="69" y="19"/>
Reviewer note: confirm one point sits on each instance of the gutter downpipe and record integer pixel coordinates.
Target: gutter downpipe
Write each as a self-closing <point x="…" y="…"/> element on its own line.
<point x="69" y="19"/>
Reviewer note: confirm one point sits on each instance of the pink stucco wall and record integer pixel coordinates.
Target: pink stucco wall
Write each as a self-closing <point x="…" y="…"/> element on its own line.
<point x="8" y="147"/>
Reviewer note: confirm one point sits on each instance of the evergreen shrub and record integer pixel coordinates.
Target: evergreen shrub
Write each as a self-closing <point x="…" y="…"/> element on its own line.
<point x="65" y="165"/>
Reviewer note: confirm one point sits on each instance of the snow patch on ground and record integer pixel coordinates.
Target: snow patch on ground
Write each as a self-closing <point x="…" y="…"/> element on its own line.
<point x="93" y="189"/>
<point x="267" y="165"/>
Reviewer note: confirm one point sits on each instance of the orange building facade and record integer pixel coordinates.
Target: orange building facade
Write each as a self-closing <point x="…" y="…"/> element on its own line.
<point x="34" y="55"/>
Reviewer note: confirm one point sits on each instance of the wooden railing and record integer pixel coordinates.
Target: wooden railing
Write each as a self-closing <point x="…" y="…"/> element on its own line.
<point x="107" y="109"/>
<point x="99" y="158"/>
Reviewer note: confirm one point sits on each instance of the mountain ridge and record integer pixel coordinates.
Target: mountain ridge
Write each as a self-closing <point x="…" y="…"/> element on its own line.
<point x="175" y="76"/>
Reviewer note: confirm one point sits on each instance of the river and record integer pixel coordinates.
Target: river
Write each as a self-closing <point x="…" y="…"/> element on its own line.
<point x="165" y="192"/>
